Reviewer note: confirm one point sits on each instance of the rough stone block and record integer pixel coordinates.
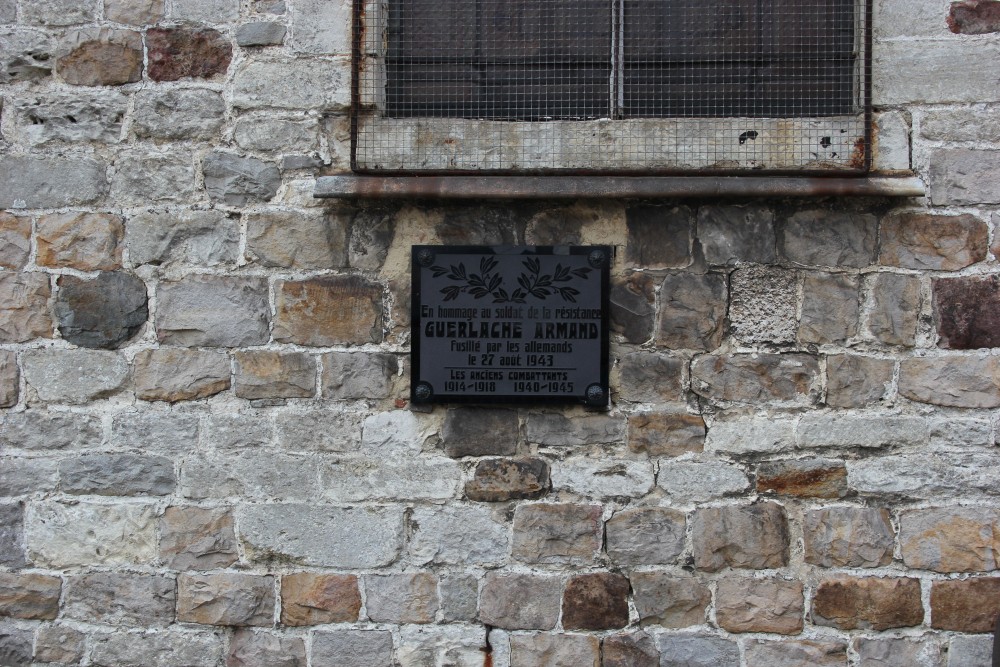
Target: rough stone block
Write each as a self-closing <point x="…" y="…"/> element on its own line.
<point x="651" y="377"/>
<point x="961" y="123"/>
<point x="171" y="374"/>
<point x="260" y="33"/>
<point x="970" y="651"/>
<point x="330" y="430"/>
<point x="11" y="532"/>
<point x="57" y="12"/>
<point x="790" y="379"/>
<point x="15" y="240"/>
<point x="750" y="537"/>
<point x="256" y="474"/>
<point x="928" y="241"/>
<point x="458" y="535"/>
<point x="646" y="536"/>
<point x="965" y="605"/>
<point x="829" y="238"/>
<point x="59" y="644"/>
<point x="459" y="598"/>
<point x="596" y="601"/>
<point x="833" y="430"/>
<point x="178" y="114"/>
<point x="635" y="649"/>
<point x="871" y="603"/>
<point x="353" y="375"/>
<point x="557" y="533"/>
<point x="830" y="308"/>
<point x="352" y="648"/>
<point x="10" y="379"/>
<point x="633" y="307"/>
<point x="195" y="238"/>
<point x="665" y="433"/>
<point x="44" y="182"/>
<point x="895" y="308"/>
<point x="750" y="435"/>
<point x="210" y="311"/>
<point x="134" y="12"/>
<point x="500" y="480"/>
<point x="309" y="598"/>
<point x="520" y="601"/>
<point x="26" y="476"/>
<point x="43" y="430"/>
<point x="601" y="478"/>
<point x="178" y="53"/>
<point x="693" y="481"/>
<point x="298" y="239"/>
<point x="696" y="651"/>
<point x="266" y="133"/>
<point x="562" y="650"/>
<point x="25" y="55"/>
<point x="238" y="181"/>
<point x="161" y="649"/>
<point x="235" y="430"/>
<point x="74" y="376"/>
<point x="673" y="602"/>
<point x="120" y="599"/>
<point x="480" y="432"/>
<point x="950" y="539"/>
<point x="117" y="475"/>
<point x="142" y="177"/>
<point x="692" y="311"/>
<point x="197" y="538"/>
<point x="892" y="147"/>
<point x="898" y="652"/>
<point x="225" y="599"/>
<point x="805" y="653"/>
<point x="265" y="649"/>
<point x="736" y="234"/>
<point x="659" y="237"/>
<point x="322" y="27"/>
<point x="103" y="312"/>
<point x="369" y="478"/>
<point x="762" y="304"/>
<point x="402" y="598"/>
<point x="559" y="430"/>
<point x="60" y="535"/>
<point x="268" y="374"/>
<point x="952" y="381"/>
<point x="805" y="478"/>
<point x="77" y="117"/>
<point x="922" y="476"/>
<point x="355" y="537"/>
<point x="338" y="310"/>
<point x="100" y="57"/>
<point x="25" y="311"/>
<point x="29" y="596"/>
<point x="372" y="233"/>
<point x="206" y="11"/>
<point x="304" y="84"/>
<point x="964" y="176"/>
<point x="967" y="311"/>
<point x="759" y="605"/>
<point x="15" y="645"/>
<point x="854" y="382"/>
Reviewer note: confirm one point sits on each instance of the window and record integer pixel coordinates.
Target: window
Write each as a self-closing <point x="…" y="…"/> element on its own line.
<point x="650" y="86"/>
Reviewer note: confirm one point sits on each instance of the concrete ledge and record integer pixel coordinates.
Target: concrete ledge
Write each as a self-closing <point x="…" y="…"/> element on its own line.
<point x="351" y="186"/>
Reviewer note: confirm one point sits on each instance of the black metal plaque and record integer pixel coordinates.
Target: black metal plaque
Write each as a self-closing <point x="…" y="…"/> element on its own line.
<point x="510" y="324"/>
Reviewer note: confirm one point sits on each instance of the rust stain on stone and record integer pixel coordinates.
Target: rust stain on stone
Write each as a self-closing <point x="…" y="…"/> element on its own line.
<point x="857" y="160"/>
<point x="974" y="17"/>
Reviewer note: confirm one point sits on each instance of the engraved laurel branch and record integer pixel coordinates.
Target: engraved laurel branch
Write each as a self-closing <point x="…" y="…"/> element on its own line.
<point x="531" y="282"/>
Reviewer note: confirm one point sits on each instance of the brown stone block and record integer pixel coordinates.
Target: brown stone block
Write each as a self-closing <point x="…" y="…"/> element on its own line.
<point x="870" y="603"/>
<point x="758" y="378"/>
<point x="59" y="644"/>
<point x="967" y="312"/>
<point x="959" y="539"/>
<point x="854" y="382"/>
<point x="965" y="605"/>
<point x="666" y="433"/>
<point x="554" y="650"/>
<point x="848" y="537"/>
<point x="10" y="377"/>
<point x="974" y="17"/>
<point x="267" y="374"/>
<point x="952" y="381"/>
<point x="796" y="654"/>
<point x="596" y="601"/>
<point x="918" y="240"/>
<point x="668" y="600"/>
<point x="811" y="478"/>
<point x="15" y="240"/>
<point x="754" y="537"/>
<point x="334" y="310"/>
<point x="197" y="538"/>
<point x="760" y="605"/>
<point x="101" y="57"/>
<point x="636" y="649"/>
<point x="177" y="374"/>
<point x="29" y="596"/>
<point x="315" y="599"/>
<point x="557" y="533"/>
<point x="84" y="241"/>
<point x="250" y="648"/>
<point x="24" y="307"/>
<point x="176" y="53"/>
<point x="499" y="480"/>
<point x="225" y="599"/>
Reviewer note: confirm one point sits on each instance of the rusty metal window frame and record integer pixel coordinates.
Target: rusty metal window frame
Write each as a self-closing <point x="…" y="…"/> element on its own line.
<point x="384" y="145"/>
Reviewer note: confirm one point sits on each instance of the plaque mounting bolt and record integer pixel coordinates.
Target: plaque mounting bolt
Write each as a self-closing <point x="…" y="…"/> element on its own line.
<point x="596" y="259"/>
<point x="423" y="392"/>
<point x="425" y="257"/>
<point x="596" y="395"/>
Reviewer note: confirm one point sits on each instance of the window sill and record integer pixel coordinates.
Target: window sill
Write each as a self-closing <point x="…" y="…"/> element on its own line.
<point x="352" y="186"/>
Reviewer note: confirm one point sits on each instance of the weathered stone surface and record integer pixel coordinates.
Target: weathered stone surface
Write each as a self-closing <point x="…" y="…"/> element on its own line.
<point x="402" y="598"/>
<point x="862" y="431"/>
<point x="238" y="181"/>
<point x="357" y="537"/>
<point x="252" y="474"/>
<point x="25" y="313"/>
<point x="461" y="535"/>
<point x="170" y="374"/>
<point x="225" y="599"/>
<point x="500" y="480"/>
<point x="898" y="652"/>
<point x="805" y="653"/>
<point x="749" y="435"/>
<point x="62" y="535"/>
<point x="293" y="84"/>
<point x="960" y="434"/>
<point x="919" y="240"/>
<point x="806" y="478"/>
<point x="597" y="601"/>
<point x="8" y="11"/>
<point x="221" y="311"/>
<point x="177" y="53"/>
<point x="481" y="225"/>
<point x="759" y="605"/>
<point x="920" y="476"/>
<point x="44" y="430"/>
<point x="22" y="476"/>
<point x="15" y="240"/>
<point x="520" y="601"/>
<point x="659" y="237"/>
<point x="555" y="650"/>
<point x="696" y="651"/>
<point x="459" y="598"/>
<point x="692" y="311"/>
<point x="74" y="376"/>
<point x="268" y="374"/>
<point x="260" y="33"/>
<point x="441" y="645"/>
<point x="115" y="598"/>
<point x="103" y="312"/>
<point x="15" y="646"/>
<point x="597" y="477"/>
<point x="752" y="537"/>
<point x="762" y="304"/>
<point x="932" y="73"/>
<point x="29" y="596"/>
<point x="322" y="27"/>
<point x="829" y="238"/>
<point x="692" y="480"/>
<point x="558" y="430"/>
<point x="736" y="234"/>
<point x="84" y="241"/>
<point x="651" y="377"/>
<point x="633" y="307"/>
<point x="266" y="133"/>
<point x="11" y="531"/>
<point x="854" y="381"/>
<point x="326" y="429"/>
<point x="974" y="17"/>
<point x="869" y="603"/>
<point x="197" y="538"/>
<point x="479" y="432"/>
<point x="206" y="11"/>
<point x="59" y="644"/>
<point x="358" y="479"/>
<point x="351" y="375"/>
<point x="673" y="602"/>
<point x="959" y="123"/>
<point x="77" y="117"/>
<point x="162" y="649"/>
<point x="966" y="605"/>
<point x="117" y="475"/>
<point x="334" y="310"/>
<point x="197" y="238"/>
<point x="10" y="378"/>
<point x="665" y="433"/>
<point x="372" y="232"/>
<point x="791" y="379"/>
<point x="951" y="539"/>
<point x="557" y="533"/>
<point x="43" y="182"/>
<point x="25" y="55"/>
<point x="352" y="648"/>
<point x="635" y="649"/>
<point x="953" y="381"/>
<point x="257" y="649"/>
<point x="298" y="239"/>
<point x="830" y="308"/>
<point x="895" y="309"/>
<point x="143" y="176"/>
<point x="965" y="651"/>
<point x="100" y="57"/>
<point x="964" y="176"/>
<point x="57" y="12"/>
<point x="134" y="12"/>
<point x="173" y="115"/>
<point x="308" y="598"/>
<point x="967" y="311"/>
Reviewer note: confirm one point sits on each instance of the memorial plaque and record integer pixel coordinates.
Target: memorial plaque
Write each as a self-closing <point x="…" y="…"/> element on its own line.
<point x="510" y="324"/>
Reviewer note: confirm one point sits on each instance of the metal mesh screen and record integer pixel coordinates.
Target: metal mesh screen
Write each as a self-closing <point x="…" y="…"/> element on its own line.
<point x="611" y="86"/>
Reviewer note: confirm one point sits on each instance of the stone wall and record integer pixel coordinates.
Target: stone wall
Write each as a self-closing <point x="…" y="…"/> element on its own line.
<point x="206" y="452"/>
